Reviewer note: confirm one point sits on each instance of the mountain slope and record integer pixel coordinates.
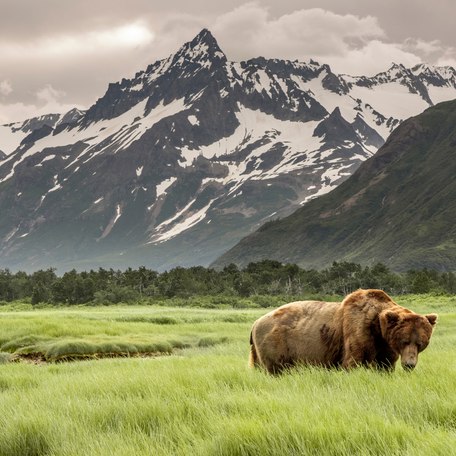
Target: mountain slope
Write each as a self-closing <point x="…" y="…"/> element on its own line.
<point x="177" y="164"/>
<point x="398" y="208"/>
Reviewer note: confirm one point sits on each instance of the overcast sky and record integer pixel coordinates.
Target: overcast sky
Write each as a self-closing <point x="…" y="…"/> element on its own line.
<point x="57" y="54"/>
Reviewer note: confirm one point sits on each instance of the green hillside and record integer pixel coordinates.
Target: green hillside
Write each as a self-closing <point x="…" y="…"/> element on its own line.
<point x="399" y="208"/>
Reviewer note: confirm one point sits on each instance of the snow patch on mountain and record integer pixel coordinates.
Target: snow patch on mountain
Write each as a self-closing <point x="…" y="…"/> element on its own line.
<point x="188" y="222"/>
<point x="10" y="138"/>
<point x="439" y="94"/>
<point x="164" y="185"/>
<point x="328" y="99"/>
<point x="392" y="99"/>
<point x="193" y="120"/>
<point x="122" y="130"/>
<point x="45" y="159"/>
<point x="112" y="222"/>
<point x="139" y="127"/>
<point x="257" y="127"/>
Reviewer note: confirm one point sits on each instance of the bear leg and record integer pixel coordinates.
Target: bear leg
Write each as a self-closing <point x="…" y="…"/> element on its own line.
<point x="353" y="355"/>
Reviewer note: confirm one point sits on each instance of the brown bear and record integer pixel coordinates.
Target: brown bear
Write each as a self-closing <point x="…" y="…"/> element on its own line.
<point x="368" y="328"/>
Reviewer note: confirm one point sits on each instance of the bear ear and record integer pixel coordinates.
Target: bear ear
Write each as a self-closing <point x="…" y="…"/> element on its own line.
<point x="432" y="318"/>
<point x="391" y="317"/>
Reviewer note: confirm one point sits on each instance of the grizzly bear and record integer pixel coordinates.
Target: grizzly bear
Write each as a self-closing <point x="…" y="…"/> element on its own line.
<point x="368" y="328"/>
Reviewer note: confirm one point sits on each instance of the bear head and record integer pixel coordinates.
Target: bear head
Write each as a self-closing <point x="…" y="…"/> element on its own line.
<point x="407" y="334"/>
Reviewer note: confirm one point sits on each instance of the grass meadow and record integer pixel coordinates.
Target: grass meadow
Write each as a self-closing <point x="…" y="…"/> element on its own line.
<point x="181" y="386"/>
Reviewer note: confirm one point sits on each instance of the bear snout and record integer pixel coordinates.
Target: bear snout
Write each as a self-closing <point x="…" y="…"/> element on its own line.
<point x="408" y="366"/>
<point x="409" y="357"/>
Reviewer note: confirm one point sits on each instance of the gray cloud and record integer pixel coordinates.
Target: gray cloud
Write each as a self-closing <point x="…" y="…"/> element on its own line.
<point x="251" y="30"/>
<point x="55" y="55"/>
<point x="5" y="87"/>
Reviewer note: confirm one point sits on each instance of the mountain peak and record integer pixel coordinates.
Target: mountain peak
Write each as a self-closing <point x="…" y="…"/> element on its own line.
<point x="396" y="70"/>
<point x="334" y="127"/>
<point x="203" y="50"/>
<point x="397" y="66"/>
<point x="445" y="72"/>
<point x="205" y="36"/>
<point x="336" y="113"/>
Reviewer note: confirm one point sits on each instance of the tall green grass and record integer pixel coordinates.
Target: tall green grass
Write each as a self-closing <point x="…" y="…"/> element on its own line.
<point x="203" y="400"/>
<point x="55" y="334"/>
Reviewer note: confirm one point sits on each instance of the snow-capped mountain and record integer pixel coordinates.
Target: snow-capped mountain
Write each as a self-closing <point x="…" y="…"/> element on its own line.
<point x="175" y="165"/>
<point x="30" y="130"/>
<point x="397" y="208"/>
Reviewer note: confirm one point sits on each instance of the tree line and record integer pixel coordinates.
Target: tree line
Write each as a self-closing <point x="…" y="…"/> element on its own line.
<point x="268" y="277"/>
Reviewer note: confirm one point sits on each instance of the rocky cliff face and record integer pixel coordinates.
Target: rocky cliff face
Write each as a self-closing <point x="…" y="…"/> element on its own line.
<point x="175" y="165"/>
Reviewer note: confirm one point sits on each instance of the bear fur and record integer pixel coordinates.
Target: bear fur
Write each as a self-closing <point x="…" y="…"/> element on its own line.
<point x="368" y="328"/>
